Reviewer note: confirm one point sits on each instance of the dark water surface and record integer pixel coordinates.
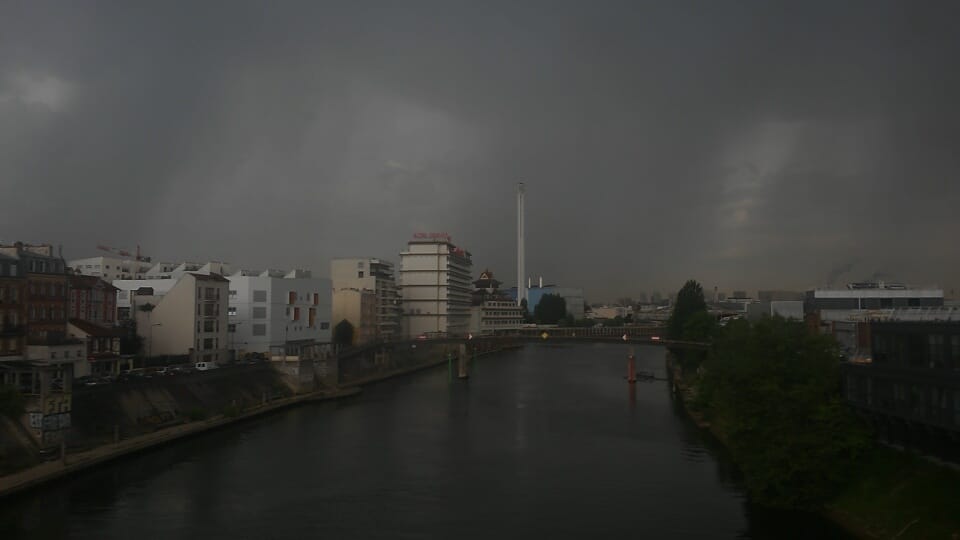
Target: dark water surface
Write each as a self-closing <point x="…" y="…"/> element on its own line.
<point x="547" y="442"/>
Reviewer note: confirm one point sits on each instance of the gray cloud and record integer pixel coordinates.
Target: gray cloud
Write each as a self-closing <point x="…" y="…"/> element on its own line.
<point x="745" y="144"/>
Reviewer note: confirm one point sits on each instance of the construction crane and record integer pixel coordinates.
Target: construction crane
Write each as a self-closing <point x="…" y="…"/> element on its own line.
<point x="123" y="252"/>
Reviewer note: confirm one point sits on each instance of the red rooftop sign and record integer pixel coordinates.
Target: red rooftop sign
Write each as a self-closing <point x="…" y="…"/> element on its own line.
<point x="431" y="236"/>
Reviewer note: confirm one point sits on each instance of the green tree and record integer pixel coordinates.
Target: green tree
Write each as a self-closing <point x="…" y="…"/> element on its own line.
<point x="343" y="333"/>
<point x="701" y="326"/>
<point x="772" y="389"/>
<point x="689" y="302"/>
<point x="550" y="309"/>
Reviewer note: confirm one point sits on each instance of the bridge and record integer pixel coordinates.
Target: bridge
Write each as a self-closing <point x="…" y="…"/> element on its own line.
<point x="637" y="335"/>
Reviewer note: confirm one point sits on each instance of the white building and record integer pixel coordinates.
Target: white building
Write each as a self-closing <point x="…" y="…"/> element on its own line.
<point x="273" y="311"/>
<point x="435" y="286"/>
<point x="376" y="276"/>
<point x="111" y="268"/>
<point x="870" y="295"/>
<point x="495" y="316"/>
<point x="179" y="317"/>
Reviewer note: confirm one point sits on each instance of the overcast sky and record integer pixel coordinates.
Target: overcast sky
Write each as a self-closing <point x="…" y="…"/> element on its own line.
<point x="747" y="145"/>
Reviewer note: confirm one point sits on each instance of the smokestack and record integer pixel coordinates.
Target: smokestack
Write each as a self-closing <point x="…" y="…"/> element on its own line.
<point x="529" y="283"/>
<point x="521" y="292"/>
<point x="541" y="282"/>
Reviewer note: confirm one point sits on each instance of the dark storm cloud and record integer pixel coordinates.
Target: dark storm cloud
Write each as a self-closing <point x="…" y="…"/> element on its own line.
<point x="745" y="144"/>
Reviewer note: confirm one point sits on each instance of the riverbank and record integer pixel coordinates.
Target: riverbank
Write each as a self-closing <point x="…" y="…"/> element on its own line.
<point x="891" y="494"/>
<point x="78" y="461"/>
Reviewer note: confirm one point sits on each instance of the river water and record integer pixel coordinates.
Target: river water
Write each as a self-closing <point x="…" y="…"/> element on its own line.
<point x="544" y="442"/>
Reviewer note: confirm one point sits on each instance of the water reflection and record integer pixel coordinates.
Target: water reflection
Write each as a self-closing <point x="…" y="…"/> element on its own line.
<point x="542" y="442"/>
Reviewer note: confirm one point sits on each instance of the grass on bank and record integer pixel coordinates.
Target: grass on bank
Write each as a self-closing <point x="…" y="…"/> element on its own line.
<point x="896" y="494"/>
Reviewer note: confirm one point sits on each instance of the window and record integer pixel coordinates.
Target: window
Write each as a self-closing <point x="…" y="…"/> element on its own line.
<point x="259" y="312"/>
<point x="233" y="292"/>
<point x="259" y="329"/>
<point x="360" y="274"/>
<point x="66" y="354"/>
<point x="208" y="325"/>
<point x="296" y="314"/>
<point x="208" y="344"/>
<point x="231" y="311"/>
<point x="259" y="296"/>
<point x="312" y="316"/>
<point x="292" y="298"/>
<point x="324" y="326"/>
<point x="316" y="298"/>
<point x="232" y="328"/>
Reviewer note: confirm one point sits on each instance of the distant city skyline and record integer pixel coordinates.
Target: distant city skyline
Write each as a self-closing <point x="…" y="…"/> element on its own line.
<point x="745" y="145"/>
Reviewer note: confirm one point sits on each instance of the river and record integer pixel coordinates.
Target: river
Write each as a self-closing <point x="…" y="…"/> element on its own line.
<point x="544" y="442"/>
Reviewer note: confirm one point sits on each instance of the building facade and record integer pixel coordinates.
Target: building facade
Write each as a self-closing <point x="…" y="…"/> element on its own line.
<point x="571" y="295"/>
<point x="910" y="384"/>
<point x="46" y="290"/>
<point x="359" y="308"/>
<point x="91" y="299"/>
<point x="867" y="296"/>
<point x="110" y="268"/>
<point x="435" y="286"/>
<point x="492" y="311"/>
<point x="378" y="277"/>
<point x="186" y="317"/>
<point x="12" y="309"/>
<point x="276" y="312"/>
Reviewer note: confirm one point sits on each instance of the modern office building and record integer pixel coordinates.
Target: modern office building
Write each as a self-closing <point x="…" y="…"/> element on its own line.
<point x="435" y="286"/>
<point x="909" y="384"/>
<point x="373" y="275"/>
<point x="572" y="296"/>
<point x="278" y="312"/>
<point x="872" y="295"/>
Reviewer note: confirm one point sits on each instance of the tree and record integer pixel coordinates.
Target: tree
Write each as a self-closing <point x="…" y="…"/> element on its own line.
<point x="689" y="302"/>
<point x="550" y="309"/>
<point x="772" y="389"/>
<point x="343" y="333"/>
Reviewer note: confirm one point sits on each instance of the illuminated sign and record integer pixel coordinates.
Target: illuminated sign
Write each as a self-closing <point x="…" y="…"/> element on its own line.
<point x="431" y="236"/>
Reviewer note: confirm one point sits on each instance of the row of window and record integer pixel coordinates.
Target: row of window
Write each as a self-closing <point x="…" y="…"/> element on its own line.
<point x="53" y="267"/>
<point x="208" y="325"/>
<point x="502" y="322"/>
<point x="56" y="290"/>
<point x="66" y="354"/>
<point x="921" y="401"/>
<point x="209" y="344"/>
<point x="45" y="313"/>
<point x="7" y="269"/>
<point x="9" y="318"/>
<point x="936" y="351"/>
<point x="11" y="293"/>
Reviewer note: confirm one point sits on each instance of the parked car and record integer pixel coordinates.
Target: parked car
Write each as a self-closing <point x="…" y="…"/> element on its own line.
<point x="205" y="366"/>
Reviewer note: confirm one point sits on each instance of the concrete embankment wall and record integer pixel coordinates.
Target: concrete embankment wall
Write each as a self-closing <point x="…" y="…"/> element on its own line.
<point x="144" y="406"/>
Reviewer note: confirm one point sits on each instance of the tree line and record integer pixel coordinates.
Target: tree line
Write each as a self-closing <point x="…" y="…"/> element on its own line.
<point x="771" y="391"/>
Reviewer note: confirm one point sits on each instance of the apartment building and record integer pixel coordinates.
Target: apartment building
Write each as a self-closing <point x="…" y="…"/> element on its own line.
<point x="373" y="275"/>
<point x="435" y="286"/>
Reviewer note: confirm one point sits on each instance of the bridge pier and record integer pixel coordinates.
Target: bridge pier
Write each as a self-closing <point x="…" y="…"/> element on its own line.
<point x="631" y="368"/>
<point x="462" y="357"/>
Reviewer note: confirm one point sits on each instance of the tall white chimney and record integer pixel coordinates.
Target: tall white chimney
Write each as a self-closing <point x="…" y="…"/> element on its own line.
<point x="521" y="291"/>
<point x="541" y="282"/>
